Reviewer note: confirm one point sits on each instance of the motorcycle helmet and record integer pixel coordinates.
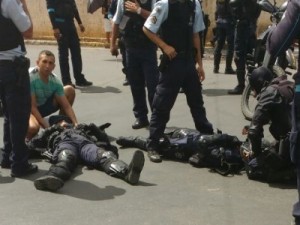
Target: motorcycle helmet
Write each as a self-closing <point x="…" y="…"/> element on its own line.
<point x="259" y="78"/>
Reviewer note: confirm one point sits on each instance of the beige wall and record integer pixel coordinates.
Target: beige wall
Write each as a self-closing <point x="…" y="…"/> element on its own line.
<point x="93" y="22"/>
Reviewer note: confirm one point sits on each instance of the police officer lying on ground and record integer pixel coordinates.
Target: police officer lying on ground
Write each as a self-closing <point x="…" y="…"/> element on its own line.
<point x="274" y="97"/>
<point x="183" y="144"/>
<point x="88" y="144"/>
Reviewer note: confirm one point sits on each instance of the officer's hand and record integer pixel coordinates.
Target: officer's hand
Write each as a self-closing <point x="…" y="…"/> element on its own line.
<point x="131" y="6"/>
<point x="201" y="73"/>
<point x="82" y="28"/>
<point x="170" y="52"/>
<point x="114" y="50"/>
<point x="57" y="33"/>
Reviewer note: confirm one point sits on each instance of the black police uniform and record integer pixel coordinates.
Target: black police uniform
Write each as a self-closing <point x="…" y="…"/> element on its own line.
<point x="62" y="14"/>
<point x="87" y="144"/>
<point x="273" y="107"/>
<point x="224" y="32"/>
<point x="141" y="64"/>
<point x="14" y="95"/>
<point x="246" y="13"/>
<point x="180" y="72"/>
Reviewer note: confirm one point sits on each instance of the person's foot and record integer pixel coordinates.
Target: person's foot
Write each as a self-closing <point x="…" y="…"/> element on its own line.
<point x="138" y="124"/>
<point x="5" y="164"/>
<point x="238" y="90"/>
<point x="216" y="70"/>
<point x="126" y="141"/>
<point x="229" y="71"/>
<point x="154" y="156"/>
<point x="125" y="83"/>
<point x="48" y="183"/>
<point x="84" y="83"/>
<point x="135" y="168"/>
<point x="29" y="169"/>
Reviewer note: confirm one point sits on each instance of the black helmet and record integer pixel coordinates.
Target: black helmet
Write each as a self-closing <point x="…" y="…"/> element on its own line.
<point x="259" y="78"/>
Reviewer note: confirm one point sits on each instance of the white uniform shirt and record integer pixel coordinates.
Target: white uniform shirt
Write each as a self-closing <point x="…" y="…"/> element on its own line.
<point x="160" y="13"/>
<point x="13" y="9"/>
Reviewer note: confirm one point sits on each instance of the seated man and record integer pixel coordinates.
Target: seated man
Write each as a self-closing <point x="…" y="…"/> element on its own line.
<point x="274" y="97"/>
<point x="48" y="94"/>
<point x="200" y="150"/>
<point x="68" y="145"/>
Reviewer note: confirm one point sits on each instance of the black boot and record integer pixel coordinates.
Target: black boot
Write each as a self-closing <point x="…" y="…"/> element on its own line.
<point x="135" y="168"/>
<point x="127" y="142"/>
<point x="217" y="60"/>
<point x="229" y="70"/>
<point x="48" y="183"/>
<point x="238" y="90"/>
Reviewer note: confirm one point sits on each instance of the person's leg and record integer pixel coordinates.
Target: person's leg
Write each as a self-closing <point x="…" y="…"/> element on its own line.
<point x="63" y="56"/>
<point x="242" y="34"/>
<point x="164" y="99"/>
<point x="33" y="127"/>
<point x="67" y="158"/>
<point x="193" y="91"/>
<point x="137" y="85"/>
<point x="107" y="161"/>
<point x="219" y="46"/>
<point x="230" y="48"/>
<point x="16" y="101"/>
<point x="70" y="95"/>
<point x="296" y="208"/>
<point x="150" y="70"/>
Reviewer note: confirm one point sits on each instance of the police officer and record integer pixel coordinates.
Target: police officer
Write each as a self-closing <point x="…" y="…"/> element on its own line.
<point x="274" y="98"/>
<point x="62" y="14"/>
<point x="88" y="144"/>
<point x="279" y="41"/>
<point x="180" y="23"/>
<point x="141" y="58"/>
<point x="225" y="32"/>
<point x="246" y="13"/>
<point x="15" y="23"/>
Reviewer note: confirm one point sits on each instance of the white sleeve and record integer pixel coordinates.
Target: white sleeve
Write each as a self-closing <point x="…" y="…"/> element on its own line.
<point x="14" y="11"/>
<point x="198" y="23"/>
<point x="158" y="15"/>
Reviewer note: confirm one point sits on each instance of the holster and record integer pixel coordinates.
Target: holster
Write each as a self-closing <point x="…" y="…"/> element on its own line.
<point x="164" y="62"/>
<point x="21" y="65"/>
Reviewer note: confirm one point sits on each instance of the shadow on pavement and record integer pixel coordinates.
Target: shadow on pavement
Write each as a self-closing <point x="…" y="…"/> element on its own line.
<point x="214" y="92"/>
<point x="96" y="89"/>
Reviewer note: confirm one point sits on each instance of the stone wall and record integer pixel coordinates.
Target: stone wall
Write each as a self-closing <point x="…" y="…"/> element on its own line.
<point x="93" y="22"/>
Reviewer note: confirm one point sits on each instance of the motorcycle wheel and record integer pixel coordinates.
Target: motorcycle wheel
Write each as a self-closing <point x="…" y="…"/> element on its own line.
<point x="248" y="103"/>
<point x="248" y="100"/>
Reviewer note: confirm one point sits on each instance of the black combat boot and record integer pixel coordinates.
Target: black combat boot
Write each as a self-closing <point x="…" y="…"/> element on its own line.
<point x="135" y="168"/>
<point x="48" y="183"/>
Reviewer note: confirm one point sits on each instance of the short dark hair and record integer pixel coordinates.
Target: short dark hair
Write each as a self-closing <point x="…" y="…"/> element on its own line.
<point x="47" y="53"/>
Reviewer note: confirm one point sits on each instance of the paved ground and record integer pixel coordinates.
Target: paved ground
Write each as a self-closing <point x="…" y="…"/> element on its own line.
<point x="169" y="193"/>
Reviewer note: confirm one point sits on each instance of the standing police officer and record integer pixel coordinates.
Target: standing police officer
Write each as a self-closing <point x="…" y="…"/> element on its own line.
<point x="246" y="13"/>
<point x="141" y="58"/>
<point x="62" y="14"/>
<point x="225" y="32"/>
<point x="15" y="23"/>
<point x="180" y="22"/>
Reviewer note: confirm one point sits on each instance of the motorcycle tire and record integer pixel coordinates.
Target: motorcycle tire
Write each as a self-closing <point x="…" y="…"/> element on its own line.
<point x="248" y="100"/>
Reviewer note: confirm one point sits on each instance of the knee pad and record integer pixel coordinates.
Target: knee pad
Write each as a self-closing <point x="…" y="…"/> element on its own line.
<point x="68" y="157"/>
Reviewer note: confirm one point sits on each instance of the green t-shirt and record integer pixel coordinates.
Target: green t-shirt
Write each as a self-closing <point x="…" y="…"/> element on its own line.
<point x="42" y="90"/>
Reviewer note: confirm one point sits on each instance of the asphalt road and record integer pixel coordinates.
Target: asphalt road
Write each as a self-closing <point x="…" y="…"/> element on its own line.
<point x="169" y="193"/>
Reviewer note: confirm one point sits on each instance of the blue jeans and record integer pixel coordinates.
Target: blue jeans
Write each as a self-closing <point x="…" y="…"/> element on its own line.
<point x="142" y="70"/>
<point x="16" y="108"/>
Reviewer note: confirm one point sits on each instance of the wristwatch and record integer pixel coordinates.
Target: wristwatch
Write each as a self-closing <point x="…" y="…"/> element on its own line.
<point x="139" y="10"/>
